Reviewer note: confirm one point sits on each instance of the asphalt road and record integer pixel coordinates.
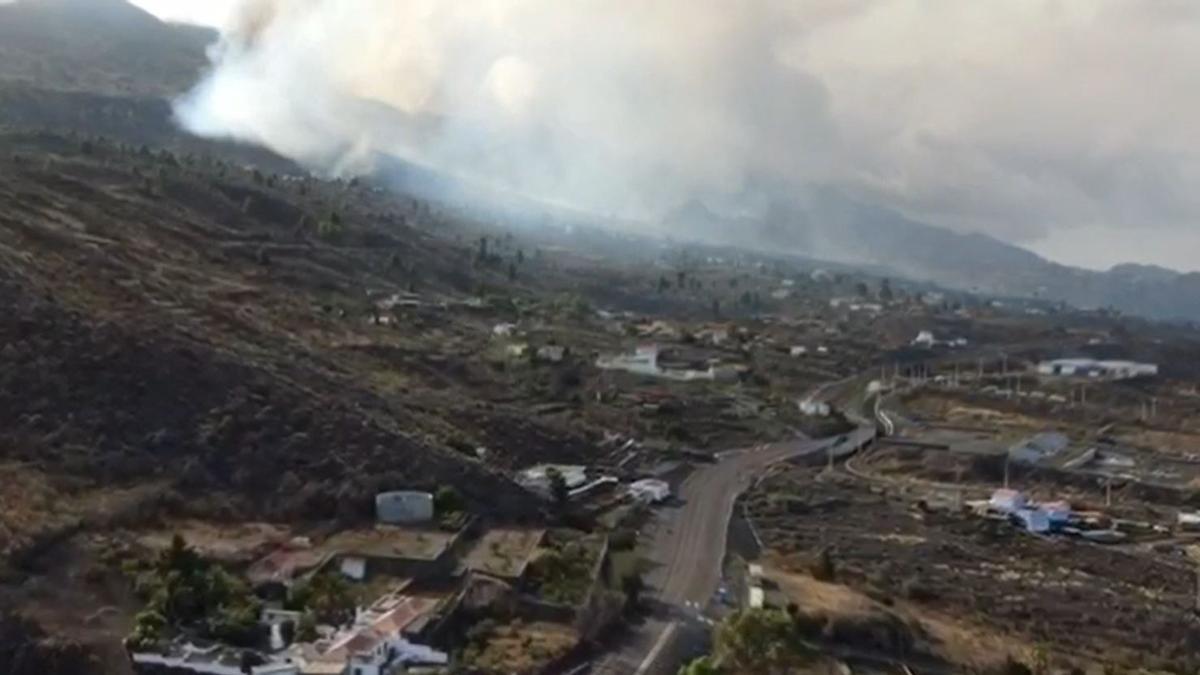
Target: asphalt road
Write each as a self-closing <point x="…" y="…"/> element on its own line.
<point x="687" y="548"/>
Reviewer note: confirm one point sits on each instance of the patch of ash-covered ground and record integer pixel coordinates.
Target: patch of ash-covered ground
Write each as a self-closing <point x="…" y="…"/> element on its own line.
<point x="1079" y="600"/>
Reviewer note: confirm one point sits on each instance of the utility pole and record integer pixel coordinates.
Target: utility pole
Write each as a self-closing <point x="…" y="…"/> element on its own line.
<point x="1006" y="458"/>
<point x="1108" y="491"/>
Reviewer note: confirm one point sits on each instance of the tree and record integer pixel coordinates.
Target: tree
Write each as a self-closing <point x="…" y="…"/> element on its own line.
<point x="512" y="271"/>
<point x="306" y="630"/>
<point x="701" y="666"/>
<point x="148" y="627"/>
<point x="861" y="289"/>
<point x="822" y="566"/>
<point x="760" y="642"/>
<point x="482" y="255"/>
<point x="326" y="596"/>
<point x="632" y="585"/>
<point x="663" y="284"/>
<point x="559" y="491"/>
<point x="885" y="291"/>
<point x="448" y="500"/>
<point x="330" y="228"/>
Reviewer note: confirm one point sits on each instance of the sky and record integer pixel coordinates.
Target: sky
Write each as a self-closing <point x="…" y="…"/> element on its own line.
<point x="1066" y="126"/>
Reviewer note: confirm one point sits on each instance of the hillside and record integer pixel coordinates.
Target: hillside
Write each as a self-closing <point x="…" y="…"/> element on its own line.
<point x="104" y="47"/>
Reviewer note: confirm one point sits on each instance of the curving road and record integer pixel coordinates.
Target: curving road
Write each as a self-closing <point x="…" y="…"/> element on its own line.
<point x="688" y="547"/>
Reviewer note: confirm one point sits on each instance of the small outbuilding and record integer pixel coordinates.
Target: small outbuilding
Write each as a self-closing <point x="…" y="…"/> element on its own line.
<point x="650" y="490"/>
<point x="1007" y="501"/>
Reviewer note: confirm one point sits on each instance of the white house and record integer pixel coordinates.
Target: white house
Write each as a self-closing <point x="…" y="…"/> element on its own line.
<point x="1007" y="501"/>
<point x="537" y="478"/>
<point x="924" y="339"/>
<point x="650" y="490"/>
<point x="799" y="351"/>
<point x="644" y="361"/>
<point x="376" y="643"/>
<point x="814" y="408"/>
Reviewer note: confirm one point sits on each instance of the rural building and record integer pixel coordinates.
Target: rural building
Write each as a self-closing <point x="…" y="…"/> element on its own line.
<point x="1059" y="513"/>
<point x="353" y="567"/>
<point x="814" y="408"/>
<point x="1037" y="448"/>
<point x="757" y="597"/>
<point x="383" y="637"/>
<point x="716" y="335"/>
<point x="1033" y="520"/>
<point x="186" y="657"/>
<point x="552" y="353"/>
<point x="537" y="478"/>
<point x="404" y="507"/>
<point x="1007" y="501"/>
<point x="1189" y="522"/>
<point x="799" y="351"/>
<point x="1107" y="370"/>
<point x="924" y="339"/>
<point x="650" y="490"/>
<point x="644" y="361"/>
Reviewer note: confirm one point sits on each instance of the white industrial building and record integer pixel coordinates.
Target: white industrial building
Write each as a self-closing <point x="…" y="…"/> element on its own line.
<point x="1107" y="370"/>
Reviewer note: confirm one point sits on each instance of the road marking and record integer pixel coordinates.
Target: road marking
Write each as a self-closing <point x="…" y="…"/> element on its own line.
<point x="658" y="647"/>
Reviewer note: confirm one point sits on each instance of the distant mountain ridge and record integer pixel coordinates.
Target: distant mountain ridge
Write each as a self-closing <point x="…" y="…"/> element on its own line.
<point x="826" y="223"/>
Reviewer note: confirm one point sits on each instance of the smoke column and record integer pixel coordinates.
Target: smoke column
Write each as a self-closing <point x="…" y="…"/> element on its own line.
<point x="621" y="106"/>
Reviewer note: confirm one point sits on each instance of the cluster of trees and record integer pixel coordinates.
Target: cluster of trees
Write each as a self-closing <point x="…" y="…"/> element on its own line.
<point x="185" y="592"/>
<point x="183" y="589"/>
<point x="486" y="256"/>
<point x="564" y="574"/>
<point x="324" y="598"/>
<point x="755" y="642"/>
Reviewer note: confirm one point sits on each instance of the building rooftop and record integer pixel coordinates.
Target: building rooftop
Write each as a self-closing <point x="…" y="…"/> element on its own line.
<point x="504" y="553"/>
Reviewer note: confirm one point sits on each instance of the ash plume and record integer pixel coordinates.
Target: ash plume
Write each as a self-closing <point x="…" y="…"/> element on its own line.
<point x="619" y="106"/>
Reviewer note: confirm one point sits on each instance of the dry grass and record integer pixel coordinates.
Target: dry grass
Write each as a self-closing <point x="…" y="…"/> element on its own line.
<point x="956" y="641"/>
<point x="519" y="648"/>
<point x="231" y="543"/>
<point x="390" y="542"/>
